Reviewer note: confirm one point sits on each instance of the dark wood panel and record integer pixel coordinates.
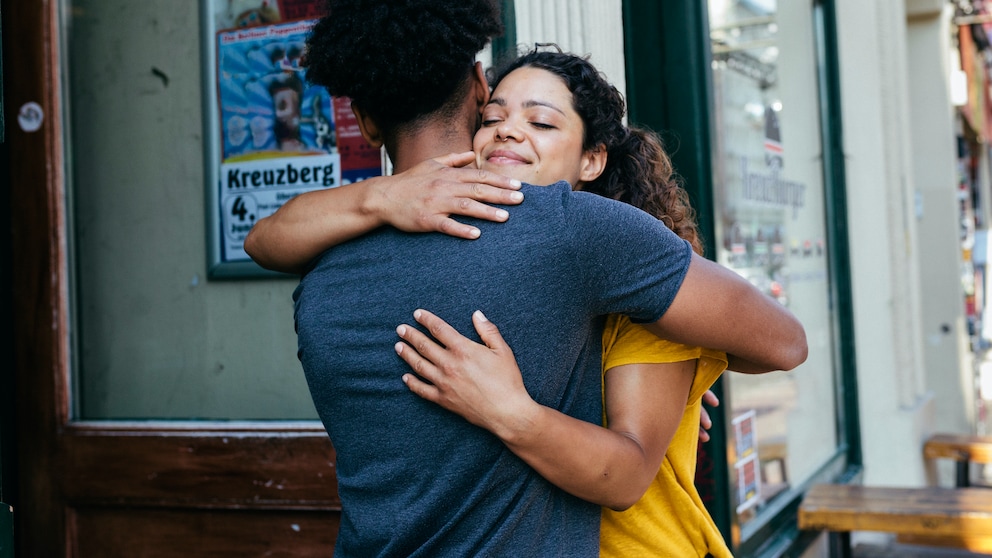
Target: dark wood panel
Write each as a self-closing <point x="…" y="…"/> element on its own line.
<point x="164" y="533"/>
<point x="200" y="466"/>
<point x="38" y="281"/>
<point x="112" y="489"/>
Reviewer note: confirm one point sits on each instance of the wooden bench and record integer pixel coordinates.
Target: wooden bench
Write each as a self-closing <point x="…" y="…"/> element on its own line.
<point x="963" y="449"/>
<point x="960" y="517"/>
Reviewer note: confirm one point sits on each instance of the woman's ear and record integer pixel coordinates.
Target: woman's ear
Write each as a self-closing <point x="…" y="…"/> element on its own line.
<point x="370" y="130"/>
<point x="593" y="163"/>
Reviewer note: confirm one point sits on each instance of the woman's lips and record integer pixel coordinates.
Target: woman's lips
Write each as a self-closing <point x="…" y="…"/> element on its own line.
<point x="504" y="156"/>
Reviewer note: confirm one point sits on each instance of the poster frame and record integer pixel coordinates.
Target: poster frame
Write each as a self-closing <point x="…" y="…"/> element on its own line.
<point x="225" y="255"/>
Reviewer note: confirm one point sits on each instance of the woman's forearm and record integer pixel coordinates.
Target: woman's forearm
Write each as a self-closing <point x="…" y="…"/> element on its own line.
<point x="310" y="223"/>
<point x="584" y="459"/>
<point x="420" y="199"/>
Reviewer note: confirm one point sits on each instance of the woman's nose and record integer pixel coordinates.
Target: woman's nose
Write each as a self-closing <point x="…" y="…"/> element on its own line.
<point x="504" y="132"/>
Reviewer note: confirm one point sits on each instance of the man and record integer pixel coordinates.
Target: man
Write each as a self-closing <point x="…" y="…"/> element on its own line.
<point x="414" y="479"/>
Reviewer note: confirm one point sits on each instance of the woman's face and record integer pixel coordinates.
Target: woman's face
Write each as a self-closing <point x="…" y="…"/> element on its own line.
<point x="531" y="132"/>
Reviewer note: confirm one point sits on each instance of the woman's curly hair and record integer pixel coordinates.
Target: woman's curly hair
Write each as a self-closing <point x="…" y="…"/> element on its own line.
<point x="399" y="60"/>
<point x="638" y="170"/>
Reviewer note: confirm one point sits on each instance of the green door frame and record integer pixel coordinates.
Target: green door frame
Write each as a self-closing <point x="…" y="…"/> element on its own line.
<point x="505" y="45"/>
<point x="669" y="89"/>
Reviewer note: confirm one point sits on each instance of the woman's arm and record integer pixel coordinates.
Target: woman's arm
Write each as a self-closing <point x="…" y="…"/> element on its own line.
<point x="610" y="467"/>
<point x="421" y="199"/>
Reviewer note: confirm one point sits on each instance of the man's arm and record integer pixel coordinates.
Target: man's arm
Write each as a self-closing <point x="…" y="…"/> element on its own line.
<point x="421" y="199"/>
<point x="717" y="308"/>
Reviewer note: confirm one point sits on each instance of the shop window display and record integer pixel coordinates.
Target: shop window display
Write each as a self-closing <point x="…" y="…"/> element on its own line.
<point x="770" y="227"/>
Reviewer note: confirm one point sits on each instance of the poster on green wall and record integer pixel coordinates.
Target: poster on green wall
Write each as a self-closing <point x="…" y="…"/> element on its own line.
<point x="271" y="135"/>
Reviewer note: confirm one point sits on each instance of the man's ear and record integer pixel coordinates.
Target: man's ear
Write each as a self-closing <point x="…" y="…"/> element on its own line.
<point x="370" y="130"/>
<point x="480" y="85"/>
<point x="593" y="163"/>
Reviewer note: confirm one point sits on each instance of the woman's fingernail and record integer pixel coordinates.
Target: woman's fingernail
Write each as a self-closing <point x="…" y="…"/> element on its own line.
<point x="516" y="196"/>
<point x="482" y="317"/>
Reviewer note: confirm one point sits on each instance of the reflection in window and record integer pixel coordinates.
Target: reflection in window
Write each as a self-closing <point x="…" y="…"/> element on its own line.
<point x="770" y="226"/>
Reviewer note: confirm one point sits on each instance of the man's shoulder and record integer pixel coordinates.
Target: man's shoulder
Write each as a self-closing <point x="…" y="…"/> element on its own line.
<point x="561" y="195"/>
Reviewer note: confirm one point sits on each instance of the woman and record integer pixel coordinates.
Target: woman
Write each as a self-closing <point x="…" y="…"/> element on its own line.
<point x="553" y="117"/>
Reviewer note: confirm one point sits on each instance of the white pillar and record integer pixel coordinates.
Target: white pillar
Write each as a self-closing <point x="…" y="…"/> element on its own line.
<point x="583" y="27"/>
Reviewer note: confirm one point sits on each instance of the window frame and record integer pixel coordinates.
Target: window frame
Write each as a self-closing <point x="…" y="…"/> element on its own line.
<point x="669" y="43"/>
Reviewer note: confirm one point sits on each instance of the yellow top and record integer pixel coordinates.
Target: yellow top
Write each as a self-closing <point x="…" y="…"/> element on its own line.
<point x="670" y="519"/>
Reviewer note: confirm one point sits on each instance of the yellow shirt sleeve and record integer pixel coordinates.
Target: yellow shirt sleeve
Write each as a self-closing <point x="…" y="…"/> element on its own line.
<point x="625" y="342"/>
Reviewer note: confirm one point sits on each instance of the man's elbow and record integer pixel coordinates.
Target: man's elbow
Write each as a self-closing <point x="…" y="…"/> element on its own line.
<point x="623" y="497"/>
<point x="623" y="501"/>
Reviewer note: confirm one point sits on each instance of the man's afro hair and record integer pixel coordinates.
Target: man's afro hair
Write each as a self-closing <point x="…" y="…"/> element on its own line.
<point x="398" y="59"/>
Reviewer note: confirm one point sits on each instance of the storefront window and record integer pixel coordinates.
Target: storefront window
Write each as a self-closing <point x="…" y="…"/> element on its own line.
<point x="771" y="228"/>
<point x="154" y="337"/>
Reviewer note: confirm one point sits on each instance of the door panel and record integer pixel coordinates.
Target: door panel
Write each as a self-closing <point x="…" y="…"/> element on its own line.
<point x="277" y="467"/>
<point x="160" y="533"/>
<point x="114" y="488"/>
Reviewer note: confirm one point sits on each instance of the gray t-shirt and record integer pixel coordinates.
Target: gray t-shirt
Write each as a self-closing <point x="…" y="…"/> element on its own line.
<point x="417" y="480"/>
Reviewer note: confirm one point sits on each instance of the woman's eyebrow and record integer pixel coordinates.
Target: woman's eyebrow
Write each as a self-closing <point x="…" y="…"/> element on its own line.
<point x="499" y="101"/>
<point x="530" y="104"/>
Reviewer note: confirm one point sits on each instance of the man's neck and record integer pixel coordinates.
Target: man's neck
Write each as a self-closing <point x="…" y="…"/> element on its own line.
<point x="433" y="140"/>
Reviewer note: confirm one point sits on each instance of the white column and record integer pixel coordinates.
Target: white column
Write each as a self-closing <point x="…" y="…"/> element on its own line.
<point x="946" y="345"/>
<point x="894" y="405"/>
<point x="583" y="27"/>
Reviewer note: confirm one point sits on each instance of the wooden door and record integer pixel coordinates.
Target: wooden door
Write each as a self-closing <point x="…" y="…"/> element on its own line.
<point x="112" y="488"/>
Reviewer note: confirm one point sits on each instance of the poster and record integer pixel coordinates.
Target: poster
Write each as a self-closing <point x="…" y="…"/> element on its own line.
<point x="272" y="136"/>
<point x="746" y="464"/>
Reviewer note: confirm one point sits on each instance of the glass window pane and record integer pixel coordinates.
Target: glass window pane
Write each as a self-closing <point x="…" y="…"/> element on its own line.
<point x="154" y="337"/>
<point x="770" y="226"/>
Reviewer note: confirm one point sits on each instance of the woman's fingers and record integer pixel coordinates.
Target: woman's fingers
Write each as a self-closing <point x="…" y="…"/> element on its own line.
<point x="439" y="329"/>
<point x="419" y="351"/>
<point x="433" y="194"/>
<point x="488" y="332"/>
<point x="456" y="159"/>
<point x="421" y="388"/>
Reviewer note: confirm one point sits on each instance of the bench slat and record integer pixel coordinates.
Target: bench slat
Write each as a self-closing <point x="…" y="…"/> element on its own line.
<point x="962" y="447"/>
<point x="956" y="512"/>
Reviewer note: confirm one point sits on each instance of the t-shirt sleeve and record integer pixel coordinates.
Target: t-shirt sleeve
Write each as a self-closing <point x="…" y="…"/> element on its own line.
<point x="628" y="343"/>
<point x="633" y="264"/>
